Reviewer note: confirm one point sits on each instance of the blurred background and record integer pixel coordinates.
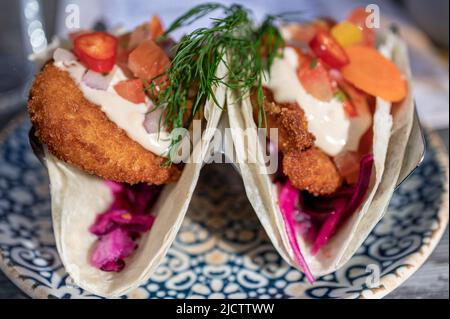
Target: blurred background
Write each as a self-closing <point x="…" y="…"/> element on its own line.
<point x="27" y="26"/>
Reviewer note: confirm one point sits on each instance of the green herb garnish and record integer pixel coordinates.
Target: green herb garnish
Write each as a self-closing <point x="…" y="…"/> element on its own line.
<point x="341" y="96"/>
<point x="247" y="51"/>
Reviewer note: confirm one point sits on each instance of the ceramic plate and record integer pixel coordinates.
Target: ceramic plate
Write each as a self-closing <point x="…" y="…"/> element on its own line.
<point x="221" y="250"/>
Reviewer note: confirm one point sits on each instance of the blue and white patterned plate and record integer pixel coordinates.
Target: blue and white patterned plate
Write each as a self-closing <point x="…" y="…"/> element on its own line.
<point x="221" y="250"/>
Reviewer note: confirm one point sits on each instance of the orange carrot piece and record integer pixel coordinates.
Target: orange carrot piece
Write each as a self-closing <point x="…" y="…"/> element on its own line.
<point x="371" y="72"/>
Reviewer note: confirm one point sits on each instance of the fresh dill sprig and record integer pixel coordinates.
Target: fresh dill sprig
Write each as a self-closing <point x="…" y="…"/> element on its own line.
<point x="246" y="50"/>
<point x="192" y="15"/>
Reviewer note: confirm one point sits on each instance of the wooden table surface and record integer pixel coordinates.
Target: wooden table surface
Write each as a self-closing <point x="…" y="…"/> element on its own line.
<point x="430" y="281"/>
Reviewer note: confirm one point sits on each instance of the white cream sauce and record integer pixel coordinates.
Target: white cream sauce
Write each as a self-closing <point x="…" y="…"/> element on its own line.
<point x="326" y="120"/>
<point x="125" y="114"/>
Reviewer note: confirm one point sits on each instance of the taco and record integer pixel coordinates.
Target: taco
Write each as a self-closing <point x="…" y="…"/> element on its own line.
<point x="103" y="112"/>
<point x="339" y="97"/>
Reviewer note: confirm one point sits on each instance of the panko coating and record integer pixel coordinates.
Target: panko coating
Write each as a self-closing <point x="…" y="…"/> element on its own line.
<point x="312" y="170"/>
<point x="306" y="166"/>
<point x="290" y="120"/>
<point x="77" y="131"/>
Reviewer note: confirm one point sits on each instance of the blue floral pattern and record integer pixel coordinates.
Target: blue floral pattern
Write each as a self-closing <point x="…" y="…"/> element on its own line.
<point x="221" y="250"/>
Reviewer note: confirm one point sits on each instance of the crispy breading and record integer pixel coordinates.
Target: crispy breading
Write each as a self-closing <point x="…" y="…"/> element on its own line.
<point x="307" y="167"/>
<point x="312" y="170"/>
<point x="78" y="132"/>
<point x="290" y="120"/>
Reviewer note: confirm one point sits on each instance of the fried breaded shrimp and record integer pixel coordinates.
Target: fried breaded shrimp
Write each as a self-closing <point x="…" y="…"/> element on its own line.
<point x="290" y="120"/>
<point x="307" y="167"/>
<point x="312" y="170"/>
<point x="78" y="132"/>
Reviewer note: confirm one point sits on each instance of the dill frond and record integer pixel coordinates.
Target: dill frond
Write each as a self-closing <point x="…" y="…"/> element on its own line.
<point x="247" y="51"/>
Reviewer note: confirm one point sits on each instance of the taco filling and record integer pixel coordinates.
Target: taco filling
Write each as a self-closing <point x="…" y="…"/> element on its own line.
<point x="95" y="106"/>
<point x="125" y="220"/>
<point x="321" y="96"/>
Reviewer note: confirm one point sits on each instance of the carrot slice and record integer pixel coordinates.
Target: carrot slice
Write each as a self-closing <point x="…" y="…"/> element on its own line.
<point x="371" y="72"/>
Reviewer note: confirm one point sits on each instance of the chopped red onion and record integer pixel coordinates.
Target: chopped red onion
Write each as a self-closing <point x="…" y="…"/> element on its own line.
<point x="153" y="120"/>
<point x="97" y="81"/>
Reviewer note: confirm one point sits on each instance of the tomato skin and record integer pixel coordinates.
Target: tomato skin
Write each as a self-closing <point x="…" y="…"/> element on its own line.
<point x="131" y="90"/>
<point x="328" y="50"/>
<point x="96" y="50"/>
<point x="151" y="30"/>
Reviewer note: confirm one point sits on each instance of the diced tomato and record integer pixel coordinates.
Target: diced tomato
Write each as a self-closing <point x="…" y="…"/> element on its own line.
<point x="146" y="31"/>
<point x="347" y="164"/>
<point x="123" y="51"/>
<point x="122" y="63"/>
<point x="122" y="54"/>
<point x="169" y="47"/>
<point x="131" y="90"/>
<point x="347" y="104"/>
<point x="156" y="27"/>
<point x="359" y="17"/>
<point x="315" y="79"/>
<point x="148" y="61"/>
<point x="358" y="99"/>
<point x="96" y="50"/>
<point x="139" y="34"/>
<point x="328" y="49"/>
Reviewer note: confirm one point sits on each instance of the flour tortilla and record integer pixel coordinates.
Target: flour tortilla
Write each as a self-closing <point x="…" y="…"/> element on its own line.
<point x="78" y="197"/>
<point x="391" y="126"/>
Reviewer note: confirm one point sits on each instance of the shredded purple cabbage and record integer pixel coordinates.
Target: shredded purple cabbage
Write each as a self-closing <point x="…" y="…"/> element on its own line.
<point x="344" y="204"/>
<point x="317" y="218"/>
<point x="121" y="224"/>
<point x="288" y="199"/>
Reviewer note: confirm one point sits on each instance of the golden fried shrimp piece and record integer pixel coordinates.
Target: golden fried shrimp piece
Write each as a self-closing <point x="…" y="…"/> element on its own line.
<point x="312" y="170"/>
<point x="290" y="120"/>
<point x="78" y="132"/>
<point x="306" y="166"/>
